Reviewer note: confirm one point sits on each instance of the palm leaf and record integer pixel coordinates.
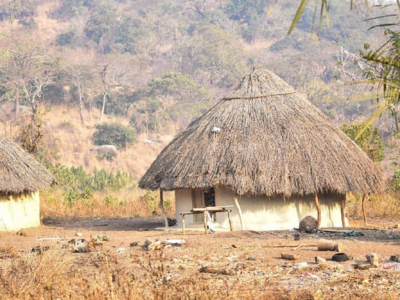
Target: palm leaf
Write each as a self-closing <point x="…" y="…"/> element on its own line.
<point x="298" y="15"/>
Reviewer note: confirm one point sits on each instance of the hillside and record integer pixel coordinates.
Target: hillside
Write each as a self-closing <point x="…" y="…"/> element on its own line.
<point x="154" y="67"/>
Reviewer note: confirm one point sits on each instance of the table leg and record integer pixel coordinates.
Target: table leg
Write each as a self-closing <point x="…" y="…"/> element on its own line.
<point x="205" y="222"/>
<point x="230" y="220"/>
<point x="183" y="224"/>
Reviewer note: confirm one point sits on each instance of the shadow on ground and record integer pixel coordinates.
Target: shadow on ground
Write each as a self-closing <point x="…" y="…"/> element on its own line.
<point x="104" y="224"/>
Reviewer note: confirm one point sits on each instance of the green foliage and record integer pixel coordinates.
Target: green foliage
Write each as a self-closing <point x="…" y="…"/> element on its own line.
<point x="79" y="184"/>
<point x="101" y="26"/>
<point x="134" y="35"/>
<point x="396" y="180"/>
<point x="249" y="14"/>
<point x="66" y="38"/>
<point x="369" y="140"/>
<point x="213" y="50"/>
<point x="114" y="134"/>
<point x="109" y="156"/>
<point x="178" y="85"/>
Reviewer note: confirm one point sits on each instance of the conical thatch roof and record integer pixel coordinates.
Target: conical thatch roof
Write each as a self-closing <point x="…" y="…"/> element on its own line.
<point x="264" y="139"/>
<point x="19" y="171"/>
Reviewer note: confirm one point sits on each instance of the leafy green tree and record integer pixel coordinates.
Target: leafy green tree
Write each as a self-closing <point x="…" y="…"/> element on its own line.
<point x="369" y="140"/>
<point x="135" y="35"/>
<point x="178" y="85"/>
<point x="114" y="134"/>
<point x="101" y="27"/>
<point x="215" y="52"/>
<point x="249" y="14"/>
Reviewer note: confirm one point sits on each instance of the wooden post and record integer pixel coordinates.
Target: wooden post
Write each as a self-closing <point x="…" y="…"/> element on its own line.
<point x="230" y="220"/>
<point x="318" y="209"/>
<point x="342" y="209"/>
<point x="363" y="210"/>
<point x="183" y="224"/>
<point x="239" y="211"/>
<point x="162" y="208"/>
<point x="205" y="221"/>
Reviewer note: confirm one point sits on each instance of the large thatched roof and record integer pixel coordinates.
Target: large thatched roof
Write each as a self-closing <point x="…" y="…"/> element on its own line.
<point x="264" y="139"/>
<point x="19" y="171"/>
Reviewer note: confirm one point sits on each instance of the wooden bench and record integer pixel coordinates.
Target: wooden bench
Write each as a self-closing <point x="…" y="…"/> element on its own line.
<point x="204" y="211"/>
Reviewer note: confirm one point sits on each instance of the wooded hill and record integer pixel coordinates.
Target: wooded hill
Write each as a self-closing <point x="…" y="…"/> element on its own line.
<point x="156" y="65"/>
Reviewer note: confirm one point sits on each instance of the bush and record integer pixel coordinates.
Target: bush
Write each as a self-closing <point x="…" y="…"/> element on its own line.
<point x="396" y="180"/>
<point x="114" y="134"/>
<point x="368" y="139"/>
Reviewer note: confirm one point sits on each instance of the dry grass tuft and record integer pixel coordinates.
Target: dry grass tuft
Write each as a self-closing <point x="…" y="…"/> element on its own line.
<point x="126" y="203"/>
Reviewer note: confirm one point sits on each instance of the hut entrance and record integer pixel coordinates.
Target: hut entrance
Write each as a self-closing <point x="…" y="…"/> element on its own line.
<point x="200" y="199"/>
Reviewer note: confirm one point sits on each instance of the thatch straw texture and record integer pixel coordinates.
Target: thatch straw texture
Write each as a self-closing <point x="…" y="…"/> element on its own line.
<point x="272" y="141"/>
<point x="19" y="171"/>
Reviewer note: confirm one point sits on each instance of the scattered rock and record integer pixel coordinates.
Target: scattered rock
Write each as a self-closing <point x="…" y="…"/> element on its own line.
<point x="373" y="259"/>
<point x="300" y="265"/>
<point x="40" y="249"/>
<point x="395" y="258"/>
<point x="134" y="244"/>
<point x="78" y="234"/>
<point x="101" y="238"/>
<point x="8" y="252"/>
<point x="309" y="224"/>
<point x="22" y="233"/>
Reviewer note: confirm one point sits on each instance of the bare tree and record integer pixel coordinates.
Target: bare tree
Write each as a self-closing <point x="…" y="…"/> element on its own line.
<point x="115" y="75"/>
<point x="78" y="68"/>
<point x="28" y="67"/>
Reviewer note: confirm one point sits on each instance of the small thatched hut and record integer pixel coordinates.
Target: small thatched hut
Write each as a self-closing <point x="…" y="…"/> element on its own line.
<point x="270" y="150"/>
<point x="21" y="178"/>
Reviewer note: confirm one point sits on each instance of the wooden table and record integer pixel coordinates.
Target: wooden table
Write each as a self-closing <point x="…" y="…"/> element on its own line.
<point x="204" y="211"/>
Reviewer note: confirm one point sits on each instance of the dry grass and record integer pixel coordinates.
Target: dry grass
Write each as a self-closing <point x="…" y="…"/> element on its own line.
<point x="385" y="206"/>
<point x="71" y="143"/>
<point x="58" y="274"/>
<point x="126" y="203"/>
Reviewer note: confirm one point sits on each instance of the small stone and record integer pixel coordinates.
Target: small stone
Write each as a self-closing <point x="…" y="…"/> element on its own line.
<point x="78" y="234"/>
<point x="134" y="244"/>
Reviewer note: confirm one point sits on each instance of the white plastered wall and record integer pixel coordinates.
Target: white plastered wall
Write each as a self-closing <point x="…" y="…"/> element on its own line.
<point x="18" y="211"/>
<point x="262" y="213"/>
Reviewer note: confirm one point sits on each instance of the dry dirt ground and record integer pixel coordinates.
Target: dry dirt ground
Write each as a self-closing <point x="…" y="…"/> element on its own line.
<point x="250" y="269"/>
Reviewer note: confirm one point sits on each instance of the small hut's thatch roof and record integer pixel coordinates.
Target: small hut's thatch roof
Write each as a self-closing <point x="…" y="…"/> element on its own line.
<point x="19" y="171"/>
<point x="264" y="139"/>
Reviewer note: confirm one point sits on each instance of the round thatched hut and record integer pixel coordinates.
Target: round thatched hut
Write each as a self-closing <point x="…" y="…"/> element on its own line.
<point x="271" y="152"/>
<point x="21" y="178"/>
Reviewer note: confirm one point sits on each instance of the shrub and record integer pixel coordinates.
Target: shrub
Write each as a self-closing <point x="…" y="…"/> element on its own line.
<point x="396" y="180"/>
<point x="114" y="134"/>
<point x="368" y="139"/>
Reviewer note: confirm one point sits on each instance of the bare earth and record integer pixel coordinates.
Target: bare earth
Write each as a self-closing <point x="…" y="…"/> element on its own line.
<point x="256" y="267"/>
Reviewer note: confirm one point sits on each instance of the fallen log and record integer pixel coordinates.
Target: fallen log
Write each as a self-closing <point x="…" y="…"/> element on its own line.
<point x="290" y="256"/>
<point x="216" y="270"/>
<point x="326" y="245"/>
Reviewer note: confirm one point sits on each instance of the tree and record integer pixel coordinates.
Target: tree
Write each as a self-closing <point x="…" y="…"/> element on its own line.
<point x="114" y="134"/>
<point x="369" y="140"/>
<point x="79" y="72"/>
<point x="213" y="52"/>
<point x="115" y="74"/>
<point x="382" y="65"/>
<point x="248" y="13"/>
<point x="101" y="27"/>
<point x="28" y="67"/>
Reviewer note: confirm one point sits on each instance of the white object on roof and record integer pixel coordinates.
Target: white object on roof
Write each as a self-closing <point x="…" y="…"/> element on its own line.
<point x="215" y="129"/>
